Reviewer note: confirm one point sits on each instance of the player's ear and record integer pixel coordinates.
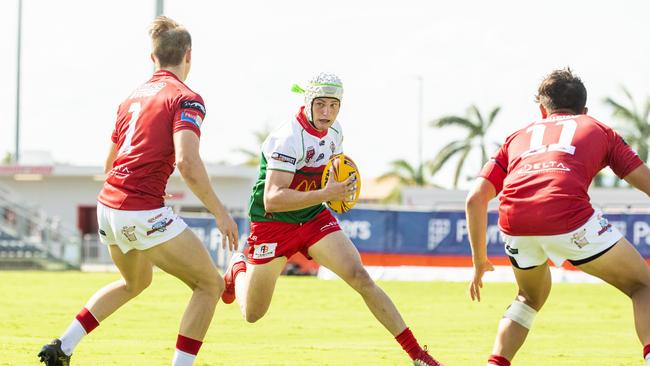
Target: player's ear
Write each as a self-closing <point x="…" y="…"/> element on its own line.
<point x="543" y="110"/>
<point x="585" y="111"/>
<point x="152" y="58"/>
<point x="188" y="56"/>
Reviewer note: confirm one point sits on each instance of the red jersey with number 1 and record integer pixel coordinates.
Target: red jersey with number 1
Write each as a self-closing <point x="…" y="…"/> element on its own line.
<point x="543" y="172"/>
<point x="146" y="123"/>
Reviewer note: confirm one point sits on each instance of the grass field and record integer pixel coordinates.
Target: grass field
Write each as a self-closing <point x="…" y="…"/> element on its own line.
<point x="314" y="322"/>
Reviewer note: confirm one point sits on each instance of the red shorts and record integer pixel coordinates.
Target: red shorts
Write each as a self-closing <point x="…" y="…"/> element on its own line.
<point x="269" y="240"/>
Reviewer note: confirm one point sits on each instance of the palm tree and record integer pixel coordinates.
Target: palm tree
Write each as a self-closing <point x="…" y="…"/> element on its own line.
<point x="636" y="127"/>
<point x="476" y="126"/>
<point x="406" y="175"/>
<point x="253" y="156"/>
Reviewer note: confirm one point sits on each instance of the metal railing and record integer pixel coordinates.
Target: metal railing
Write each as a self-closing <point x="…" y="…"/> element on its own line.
<point x="25" y="229"/>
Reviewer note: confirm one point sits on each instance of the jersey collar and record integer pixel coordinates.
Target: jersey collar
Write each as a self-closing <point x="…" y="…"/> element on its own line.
<point x="163" y="72"/>
<point x="302" y="119"/>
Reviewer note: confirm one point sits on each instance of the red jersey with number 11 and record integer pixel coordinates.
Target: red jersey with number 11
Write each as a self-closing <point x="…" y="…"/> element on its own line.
<point x="146" y="123"/>
<point x="543" y="172"/>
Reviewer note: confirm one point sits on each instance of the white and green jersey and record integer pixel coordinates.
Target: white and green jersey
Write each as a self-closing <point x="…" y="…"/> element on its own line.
<point x="296" y="147"/>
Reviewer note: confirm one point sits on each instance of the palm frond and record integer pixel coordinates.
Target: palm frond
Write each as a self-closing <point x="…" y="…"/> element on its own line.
<point x="443" y="157"/>
<point x="473" y="109"/>
<point x="461" y="163"/>
<point x="492" y="116"/>
<point x="453" y="121"/>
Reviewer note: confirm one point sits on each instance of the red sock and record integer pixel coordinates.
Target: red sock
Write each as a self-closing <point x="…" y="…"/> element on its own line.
<point x="409" y="343"/>
<point x="646" y="350"/>
<point x="498" y="360"/>
<point x="188" y="345"/>
<point x="236" y="268"/>
<point x="87" y="320"/>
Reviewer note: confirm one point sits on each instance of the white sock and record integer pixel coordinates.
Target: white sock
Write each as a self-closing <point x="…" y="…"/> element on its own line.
<point x="72" y="336"/>
<point x="183" y="359"/>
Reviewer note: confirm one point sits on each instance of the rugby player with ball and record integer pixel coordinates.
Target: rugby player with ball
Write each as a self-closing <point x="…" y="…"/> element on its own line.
<point x="287" y="214"/>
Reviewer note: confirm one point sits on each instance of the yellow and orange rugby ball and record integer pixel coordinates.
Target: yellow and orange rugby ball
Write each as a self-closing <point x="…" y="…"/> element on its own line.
<point x="342" y="167"/>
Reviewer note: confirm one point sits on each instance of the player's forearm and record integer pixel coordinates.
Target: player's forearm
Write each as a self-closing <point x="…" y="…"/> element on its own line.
<point x="287" y="199"/>
<point x="196" y="178"/>
<point x="476" y="213"/>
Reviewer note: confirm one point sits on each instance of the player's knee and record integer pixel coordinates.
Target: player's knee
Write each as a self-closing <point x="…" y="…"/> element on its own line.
<point x="135" y="287"/>
<point x="253" y="315"/>
<point x="636" y="287"/>
<point x="360" y="280"/>
<point x="213" y="285"/>
<point x="521" y="314"/>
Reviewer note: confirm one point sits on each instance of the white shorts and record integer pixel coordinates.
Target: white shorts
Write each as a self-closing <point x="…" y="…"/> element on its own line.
<point x="139" y="230"/>
<point x="579" y="246"/>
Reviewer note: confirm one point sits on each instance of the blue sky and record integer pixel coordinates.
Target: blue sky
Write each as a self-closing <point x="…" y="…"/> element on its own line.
<point x="81" y="58"/>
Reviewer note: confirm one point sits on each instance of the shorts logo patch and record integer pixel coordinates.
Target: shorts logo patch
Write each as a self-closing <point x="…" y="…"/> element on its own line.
<point x="265" y="250"/>
<point x="283" y="158"/>
<point x="129" y="232"/>
<point x="329" y="225"/>
<point x="193" y="104"/>
<point x="579" y="238"/>
<point x="604" y="225"/>
<point x="159" y="226"/>
<point x="511" y="250"/>
<point x="155" y="218"/>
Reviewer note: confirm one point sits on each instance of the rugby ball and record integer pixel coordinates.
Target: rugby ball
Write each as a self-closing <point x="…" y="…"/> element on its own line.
<point x="342" y="167"/>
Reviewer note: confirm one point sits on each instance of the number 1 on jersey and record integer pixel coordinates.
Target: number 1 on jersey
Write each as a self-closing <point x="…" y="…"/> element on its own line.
<point x="564" y="142"/>
<point x="126" y="148"/>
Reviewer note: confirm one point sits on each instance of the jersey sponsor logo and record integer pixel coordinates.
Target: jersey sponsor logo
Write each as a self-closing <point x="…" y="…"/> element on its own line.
<point x="311" y="152"/>
<point x="332" y="147"/>
<point x="306" y="185"/>
<point x="194" y="118"/>
<point x="546" y="166"/>
<point x="320" y="157"/>
<point x="283" y="158"/>
<point x="264" y="250"/>
<point x="160" y="226"/>
<point x="321" y="143"/>
<point x="147" y="90"/>
<point x="129" y="232"/>
<point x="579" y="238"/>
<point x="193" y="104"/>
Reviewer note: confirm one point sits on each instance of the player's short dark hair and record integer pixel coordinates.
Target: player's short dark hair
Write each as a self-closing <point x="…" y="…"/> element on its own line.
<point x="561" y="89"/>
<point x="170" y="41"/>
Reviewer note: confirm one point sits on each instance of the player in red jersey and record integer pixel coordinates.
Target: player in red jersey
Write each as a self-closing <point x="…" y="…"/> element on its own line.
<point x="542" y="173"/>
<point x="158" y="126"/>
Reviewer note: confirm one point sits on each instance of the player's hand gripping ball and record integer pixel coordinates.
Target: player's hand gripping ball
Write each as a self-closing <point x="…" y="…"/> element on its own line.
<point x="342" y="167"/>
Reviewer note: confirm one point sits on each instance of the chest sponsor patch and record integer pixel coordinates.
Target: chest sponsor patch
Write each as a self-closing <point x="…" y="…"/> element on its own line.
<point x="264" y="250"/>
<point x="193" y="104"/>
<point x="283" y="158"/>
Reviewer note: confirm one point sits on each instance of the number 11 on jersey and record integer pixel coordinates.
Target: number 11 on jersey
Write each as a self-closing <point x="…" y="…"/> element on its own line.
<point x="564" y="142"/>
<point x="126" y="148"/>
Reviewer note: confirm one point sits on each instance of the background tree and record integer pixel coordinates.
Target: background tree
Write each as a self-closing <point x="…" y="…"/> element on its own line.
<point x="635" y="126"/>
<point x="406" y="175"/>
<point x="476" y="127"/>
<point x="253" y="156"/>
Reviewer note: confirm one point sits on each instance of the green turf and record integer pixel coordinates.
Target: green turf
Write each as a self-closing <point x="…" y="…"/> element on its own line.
<point x="313" y="322"/>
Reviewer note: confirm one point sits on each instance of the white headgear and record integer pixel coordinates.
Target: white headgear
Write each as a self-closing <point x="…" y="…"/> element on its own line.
<point x="323" y="85"/>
